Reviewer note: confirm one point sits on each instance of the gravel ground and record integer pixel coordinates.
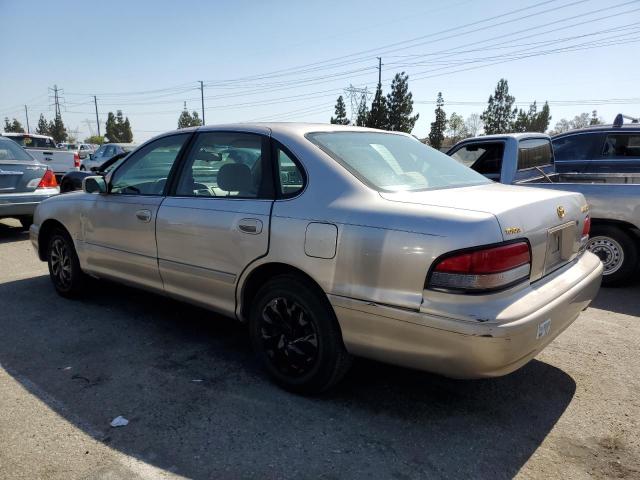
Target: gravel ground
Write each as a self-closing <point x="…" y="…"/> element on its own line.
<point x="199" y="405"/>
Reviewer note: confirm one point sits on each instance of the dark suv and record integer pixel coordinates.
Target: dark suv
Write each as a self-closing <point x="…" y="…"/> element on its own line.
<point x="600" y="148"/>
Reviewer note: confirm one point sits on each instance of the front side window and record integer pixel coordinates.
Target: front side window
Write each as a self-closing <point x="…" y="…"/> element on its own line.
<point x="534" y="152"/>
<point x="224" y="164"/>
<point x="146" y="171"/>
<point x="392" y="162"/>
<point x="622" y="145"/>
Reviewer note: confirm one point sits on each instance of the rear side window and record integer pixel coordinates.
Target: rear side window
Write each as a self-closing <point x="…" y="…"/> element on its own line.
<point x="585" y="146"/>
<point x="622" y="145"/>
<point x="223" y="165"/>
<point x="534" y="152"/>
<point x="10" y="150"/>
<point x="290" y="175"/>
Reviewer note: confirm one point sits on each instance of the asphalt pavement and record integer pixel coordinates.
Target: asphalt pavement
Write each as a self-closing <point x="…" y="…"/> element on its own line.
<point x="199" y="405"/>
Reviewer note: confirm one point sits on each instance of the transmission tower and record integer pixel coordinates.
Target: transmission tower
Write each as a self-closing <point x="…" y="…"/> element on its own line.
<point x="57" y="98"/>
<point x="356" y="97"/>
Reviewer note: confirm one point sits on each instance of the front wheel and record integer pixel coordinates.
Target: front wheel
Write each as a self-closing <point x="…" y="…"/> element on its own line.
<point x="617" y="250"/>
<point x="64" y="266"/>
<point x="296" y="335"/>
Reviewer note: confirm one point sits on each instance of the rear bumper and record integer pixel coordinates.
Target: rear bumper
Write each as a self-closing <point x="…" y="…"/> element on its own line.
<point x="19" y="204"/>
<point x="471" y="348"/>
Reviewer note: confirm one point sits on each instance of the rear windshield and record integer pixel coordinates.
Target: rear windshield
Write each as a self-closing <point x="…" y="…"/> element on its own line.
<point x="10" y="150"/>
<point x="33" y="142"/>
<point x="392" y="163"/>
<point x="534" y="152"/>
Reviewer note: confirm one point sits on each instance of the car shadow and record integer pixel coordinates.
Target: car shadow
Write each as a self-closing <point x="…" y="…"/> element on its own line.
<point x="200" y="405"/>
<point x="11" y="231"/>
<point x="624" y="299"/>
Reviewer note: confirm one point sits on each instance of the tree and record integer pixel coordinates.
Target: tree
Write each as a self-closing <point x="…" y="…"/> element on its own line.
<point x="95" y="139"/>
<point x="499" y="115"/>
<point x="595" y="119"/>
<point x="581" y="121"/>
<point x="187" y="119"/>
<point x="473" y="124"/>
<point x="377" y="117"/>
<point x="400" y="105"/>
<point x="540" y="123"/>
<point x="43" y="126"/>
<point x="13" y="127"/>
<point x="57" y="129"/>
<point x="111" y="130"/>
<point x="118" y="128"/>
<point x="363" y="112"/>
<point x="562" y="126"/>
<point x="341" y="113"/>
<point x="456" y="130"/>
<point x="438" y="127"/>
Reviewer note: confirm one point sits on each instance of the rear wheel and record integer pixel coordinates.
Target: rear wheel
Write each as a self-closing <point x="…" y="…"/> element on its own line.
<point x="296" y="335"/>
<point x="64" y="266"/>
<point x="617" y="250"/>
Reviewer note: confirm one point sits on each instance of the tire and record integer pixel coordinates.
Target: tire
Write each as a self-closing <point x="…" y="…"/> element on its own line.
<point x="64" y="267"/>
<point x="618" y="252"/>
<point x="25" y="222"/>
<point x="307" y="357"/>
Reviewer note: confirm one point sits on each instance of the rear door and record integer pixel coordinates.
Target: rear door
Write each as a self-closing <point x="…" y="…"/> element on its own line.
<point x="217" y="220"/>
<point x="119" y="228"/>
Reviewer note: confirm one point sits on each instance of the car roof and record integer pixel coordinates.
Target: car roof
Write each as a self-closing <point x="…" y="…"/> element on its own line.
<point x="34" y="135"/>
<point x="609" y="128"/>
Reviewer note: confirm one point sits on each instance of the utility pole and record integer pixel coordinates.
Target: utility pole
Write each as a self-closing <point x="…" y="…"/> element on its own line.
<point x="26" y="114"/>
<point x="202" y="99"/>
<point x="95" y="102"/>
<point x="56" y="100"/>
<point x="379" y="71"/>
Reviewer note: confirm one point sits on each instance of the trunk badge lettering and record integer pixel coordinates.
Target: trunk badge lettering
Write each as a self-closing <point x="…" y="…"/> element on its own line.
<point x="560" y="211"/>
<point x="512" y="230"/>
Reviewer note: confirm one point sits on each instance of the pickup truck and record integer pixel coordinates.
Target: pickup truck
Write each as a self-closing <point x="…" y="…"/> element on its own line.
<point x="614" y="198"/>
<point x="44" y="150"/>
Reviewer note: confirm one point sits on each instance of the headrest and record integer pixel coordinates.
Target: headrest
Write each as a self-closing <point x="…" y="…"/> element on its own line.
<point x="234" y="177"/>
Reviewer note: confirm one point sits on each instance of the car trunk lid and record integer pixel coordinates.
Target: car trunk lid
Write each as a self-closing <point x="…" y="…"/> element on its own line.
<point x="551" y="221"/>
<point x="20" y="177"/>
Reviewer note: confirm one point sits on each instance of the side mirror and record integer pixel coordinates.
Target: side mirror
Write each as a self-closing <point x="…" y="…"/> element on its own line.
<point x="94" y="184"/>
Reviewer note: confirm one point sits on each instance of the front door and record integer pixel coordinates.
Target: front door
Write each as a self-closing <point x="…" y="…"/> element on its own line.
<point x="217" y="220"/>
<point x="119" y="229"/>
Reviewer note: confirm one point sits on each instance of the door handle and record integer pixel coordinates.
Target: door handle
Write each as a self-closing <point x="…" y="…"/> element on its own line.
<point x="144" y="215"/>
<point x="250" y="225"/>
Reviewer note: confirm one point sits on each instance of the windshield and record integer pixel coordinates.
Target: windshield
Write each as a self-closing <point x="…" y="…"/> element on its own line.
<point x="391" y="162"/>
<point x="10" y="150"/>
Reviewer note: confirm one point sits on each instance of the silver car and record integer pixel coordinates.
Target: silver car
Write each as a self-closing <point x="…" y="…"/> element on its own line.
<point x="332" y="241"/>
<point x="23" y="182"/>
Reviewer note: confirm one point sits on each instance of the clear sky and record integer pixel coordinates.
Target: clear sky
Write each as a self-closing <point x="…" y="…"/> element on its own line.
<point x="146" y="57"/>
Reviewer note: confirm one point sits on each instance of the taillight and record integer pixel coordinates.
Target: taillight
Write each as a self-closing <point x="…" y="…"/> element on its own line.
<point x="76" y="160"/>
<point x="48" y="180"/>
<point x="485" y="268"/>
<point x="586" y="226"/>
